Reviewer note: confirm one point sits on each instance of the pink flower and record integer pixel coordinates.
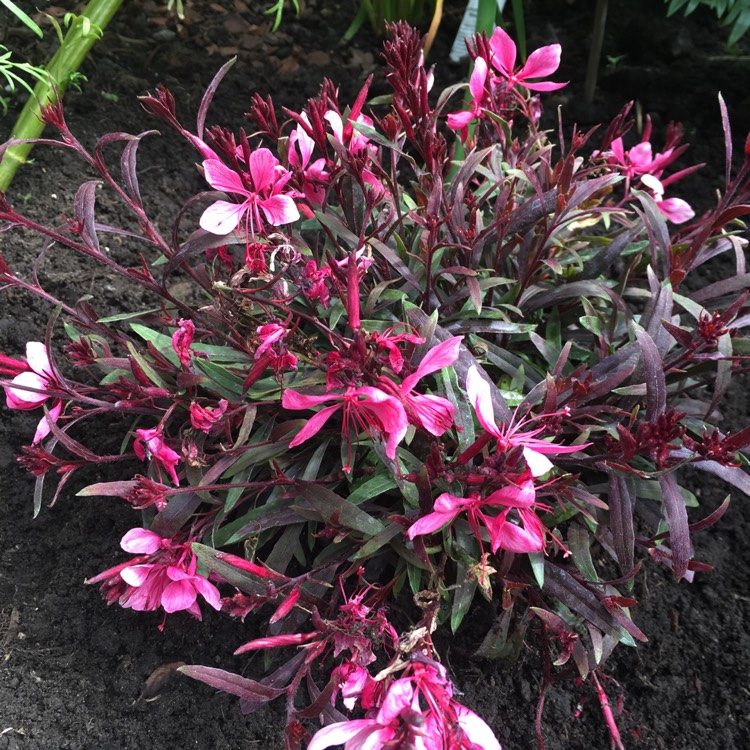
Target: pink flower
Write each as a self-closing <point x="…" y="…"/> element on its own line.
<point x="675" y="209"/>
<point x="389" y="340"/>
<point x="509" y="436"/>
<point x="541" y="62"/>
<point x="203" y="418"/>
<point x="149" y="446"/>
<point x="162" y="576"/>
<point x="182" y="340"/>
<point x="37" y="374"/>
<point x="639" y="159"/>
<point x="460" y="120"/>
<point x="417" y="711"/>
<point x="375" y="733"/>
<point x="432" y="413"/>
<point x="364" y="408"/>
<point x="314" y="175"/>
<point x="266" y="178"/>
<point x="503" y="533"/>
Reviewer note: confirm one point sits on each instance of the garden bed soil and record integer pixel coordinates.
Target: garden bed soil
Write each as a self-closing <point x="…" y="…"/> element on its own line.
<point x="72" y="671"/>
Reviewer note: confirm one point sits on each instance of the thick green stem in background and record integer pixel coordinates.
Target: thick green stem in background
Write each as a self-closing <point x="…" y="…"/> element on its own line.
<point x="79" y="39"/>
<point x="595" y="53"/>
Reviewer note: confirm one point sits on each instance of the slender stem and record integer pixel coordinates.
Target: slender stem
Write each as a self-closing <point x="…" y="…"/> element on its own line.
<point x="595" y="53"/>
<point x="80" y="38"/>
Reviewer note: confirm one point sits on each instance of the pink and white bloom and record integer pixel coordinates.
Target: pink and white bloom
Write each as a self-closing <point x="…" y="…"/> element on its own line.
<point x="509" y="436"/>
<point x="36" y="374"/>
<point x="149" y="445"/>
<point x="364" y="408"/>
<point x="418" y="712"/>
<point x="675" y="209"/>
<point x="262" y="190"/>
<point x="542" y="62"/>
<point x="163" y="575"/>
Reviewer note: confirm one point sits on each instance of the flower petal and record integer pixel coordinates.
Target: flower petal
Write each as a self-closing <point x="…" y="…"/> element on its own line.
<point x="398" y="697"/>
<point x="220" y="177"/>
<point x="178" y="595"/>
<point x="141" y="541"/>
<point x="459" y="120"/>
<point x="314" y="425"/>
<point x="504" y="51"/>
<point x="442" y="355"/>
<point x="38" y="359"/>
<point x="478" y="78"/>
<point x="476" y="729"/>
<point x="262" y="169"/>
<point x="431" y="523"/>
<point x="478" y="391"/>
<point x="341" y="732"/>
<point x="279" y="209"/>
<point x="537" y="462"/>
<point x="435" y="413"/>
<point x="18" y="398"/>
<point x="676" y="210"/>
<point x="541" y="62"/>
<point x="43" y="428"/>
<point x="222" y="217"/>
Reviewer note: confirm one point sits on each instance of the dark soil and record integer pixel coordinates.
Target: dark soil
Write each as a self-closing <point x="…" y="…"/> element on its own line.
<point x="72" y="670"/>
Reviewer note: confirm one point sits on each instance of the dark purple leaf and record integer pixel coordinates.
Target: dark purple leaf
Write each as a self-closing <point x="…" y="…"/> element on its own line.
<point x="653" y="372"/>
<point x="279" y="679"/>
<point x="209" y="95"/>
<point x="677" y="521"/>
<point x="732" y="474"/>
<point x="176" y="514"/>
<point x="234" y="684"/>
<point x="621" y="504"/>
<point x="573" y="594"/>
<point x="721" y="288"/>
<point x="128" y="166"/>
<point x="84" y="213"/>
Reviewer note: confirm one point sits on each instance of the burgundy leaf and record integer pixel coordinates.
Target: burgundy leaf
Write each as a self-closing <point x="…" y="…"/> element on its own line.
<point x="677" y="520"/>
<point x="653" y="369"/>
<point x="621" y="504"/>
<point x="245" y="688"/>
<point x="84" y="213"/>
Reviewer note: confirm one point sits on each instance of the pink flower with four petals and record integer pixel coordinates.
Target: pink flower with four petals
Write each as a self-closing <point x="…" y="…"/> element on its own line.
<point x="264" y="199"/>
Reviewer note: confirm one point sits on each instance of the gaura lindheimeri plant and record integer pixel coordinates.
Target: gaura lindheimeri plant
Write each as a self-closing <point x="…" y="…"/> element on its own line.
<point x="413" y="373"/>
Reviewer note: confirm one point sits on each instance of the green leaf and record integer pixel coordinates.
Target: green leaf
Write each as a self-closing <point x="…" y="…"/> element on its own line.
<point x="224" y="383"/>
<point x="336" y="510"/>
<point x="463" y="596"/>
<point x="23" y="17"/>
<point x="209" y="558"/>
<point x="371" y="488"/>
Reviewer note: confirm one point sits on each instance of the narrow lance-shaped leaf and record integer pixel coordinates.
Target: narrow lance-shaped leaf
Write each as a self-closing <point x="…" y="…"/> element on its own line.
<point x="234" y="684"/>
<point x="621" y="503"/>
<point x="336" y="510"/>
<point x="677" y="520"/>
<point x="656" y="387"/>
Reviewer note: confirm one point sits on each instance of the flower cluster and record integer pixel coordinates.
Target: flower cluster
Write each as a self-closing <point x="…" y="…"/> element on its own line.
<point x="425" y="366"/>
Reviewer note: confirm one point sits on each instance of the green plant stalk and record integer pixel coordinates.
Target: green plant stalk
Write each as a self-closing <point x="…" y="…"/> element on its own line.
<point x="486" y="16"/>
<point x="79" y="39"/>
<point x="595" y="53"/>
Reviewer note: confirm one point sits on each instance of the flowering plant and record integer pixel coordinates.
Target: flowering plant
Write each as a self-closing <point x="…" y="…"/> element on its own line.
<point x="434" y="358"/>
